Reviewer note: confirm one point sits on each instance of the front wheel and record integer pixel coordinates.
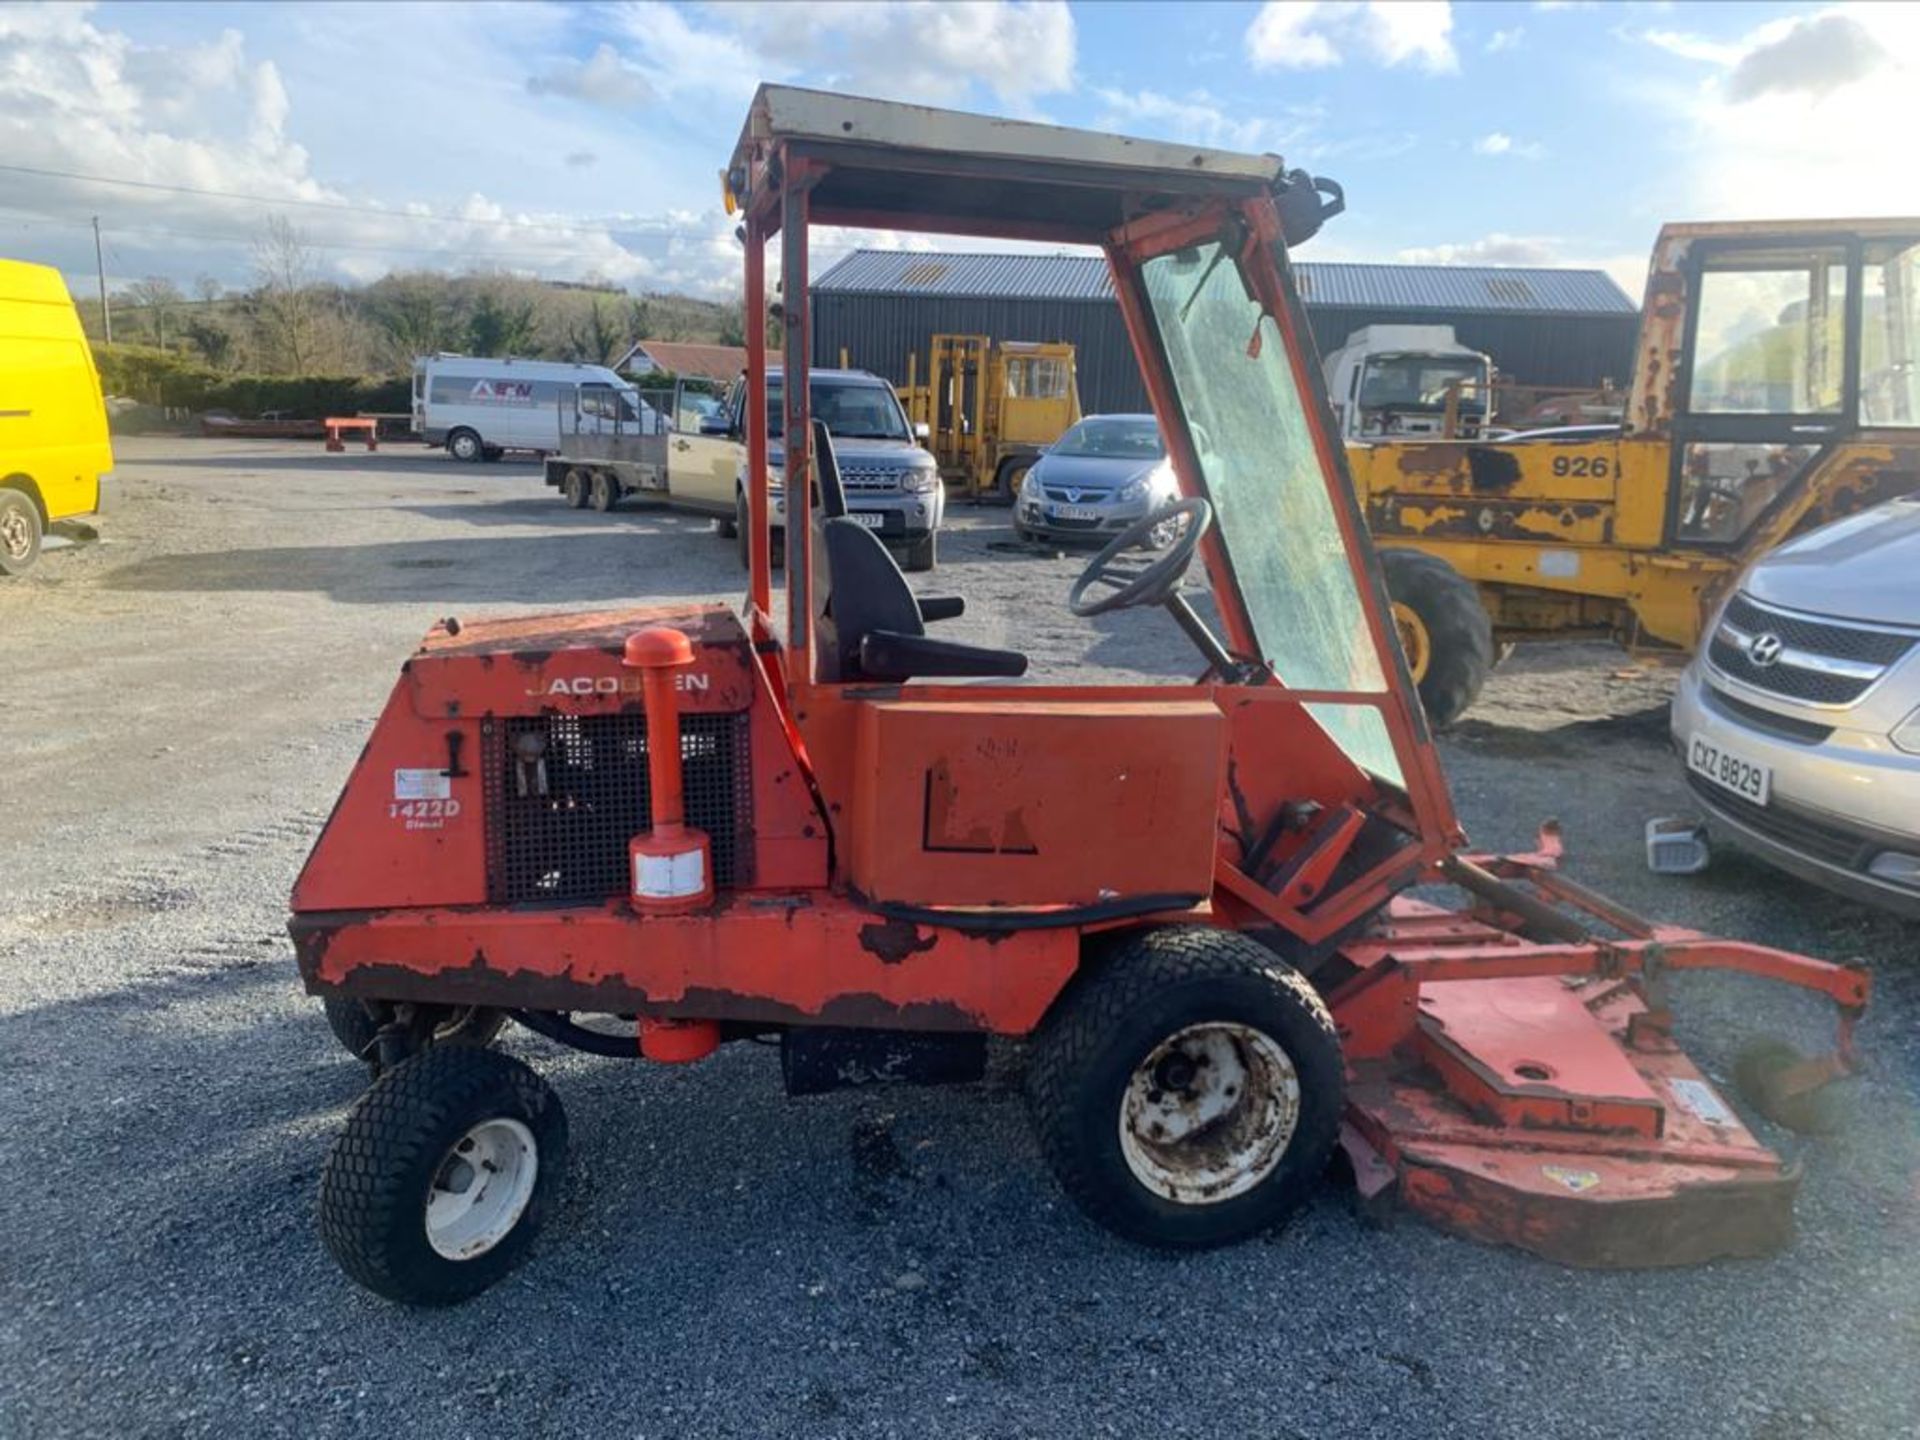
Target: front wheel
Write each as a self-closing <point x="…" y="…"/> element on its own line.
<point x="1187" y="1092"/>
<point x="443" y="1175"/>
<point x="20" y="532"/>
<point x="1444" y="631"/>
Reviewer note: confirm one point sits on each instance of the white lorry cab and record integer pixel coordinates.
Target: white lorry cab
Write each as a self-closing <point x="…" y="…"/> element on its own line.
<point x="1390" y="381"/>
<point x="479" y="409"/>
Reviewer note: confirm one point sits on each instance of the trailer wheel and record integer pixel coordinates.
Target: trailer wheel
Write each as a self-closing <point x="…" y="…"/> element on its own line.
<point x="465" y="445"/>
<point x="574" y="488"/>
<point x="443" y="1175"/>
<point x="604" y="495"/>
<point x="356" y="1029"/>
<point x="1444" y="631"/>
<point x="923" y="554"/>
<point x="1187" y="1092"/>
<point x="20" y="532"/>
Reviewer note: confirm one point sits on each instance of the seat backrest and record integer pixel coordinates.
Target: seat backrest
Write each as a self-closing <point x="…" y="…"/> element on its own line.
<point x="862" y="590"/>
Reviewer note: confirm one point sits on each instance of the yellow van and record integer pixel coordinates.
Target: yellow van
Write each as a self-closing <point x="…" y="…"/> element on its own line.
<point x="53" y="424"/>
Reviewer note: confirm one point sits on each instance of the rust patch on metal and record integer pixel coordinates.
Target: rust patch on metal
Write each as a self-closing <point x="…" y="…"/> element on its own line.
<point x="894" y="941"/>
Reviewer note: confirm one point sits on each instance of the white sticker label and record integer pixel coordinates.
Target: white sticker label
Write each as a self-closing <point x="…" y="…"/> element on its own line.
<point x="422" y="785"/>
<point x="1701" y="1101"/>
<point x="1560" y="564"/>
<point x="669" y="877"/>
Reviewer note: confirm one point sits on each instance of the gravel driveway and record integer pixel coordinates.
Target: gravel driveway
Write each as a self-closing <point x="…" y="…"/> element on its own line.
<point x="181" y="703"/>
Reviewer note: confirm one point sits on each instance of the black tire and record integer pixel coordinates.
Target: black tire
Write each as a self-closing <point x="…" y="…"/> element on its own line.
<point x="399" y="1141"/>
<point x="924" y="553"/>
<point x="356" y="1029"/>
<point x="1459" y="635"/>
<point x="20" y="532"/>
<point x="1155" y="986"/>
<point x="1006" y="478"/>
<point x="574" y="489"/>
<point x="742" y="532"/>
<point x="491" y="453"/>
<point x="603" y="493"/>
<point x="465" y="445"/>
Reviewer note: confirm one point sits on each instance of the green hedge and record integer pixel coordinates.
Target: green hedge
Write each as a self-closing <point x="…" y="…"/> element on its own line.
<point x="159" y="377"/>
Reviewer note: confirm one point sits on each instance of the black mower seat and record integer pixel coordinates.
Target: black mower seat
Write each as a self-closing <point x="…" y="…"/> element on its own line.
<point x="872" y="627"/>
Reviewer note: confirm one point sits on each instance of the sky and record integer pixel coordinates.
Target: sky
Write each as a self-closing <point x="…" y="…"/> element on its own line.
<point x="576" y="141"/>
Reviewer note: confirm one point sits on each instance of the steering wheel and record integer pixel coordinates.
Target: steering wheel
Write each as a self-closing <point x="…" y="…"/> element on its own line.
<point x="1147" y="584"/>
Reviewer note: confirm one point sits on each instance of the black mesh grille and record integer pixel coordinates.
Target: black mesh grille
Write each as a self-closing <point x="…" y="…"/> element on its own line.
<point x="1804" y="732"/>
<point x="565" y="793"/>
<point x="1797" y="832"/>
<point x="1840" y="642"/>
<point x="1791" y="681"/>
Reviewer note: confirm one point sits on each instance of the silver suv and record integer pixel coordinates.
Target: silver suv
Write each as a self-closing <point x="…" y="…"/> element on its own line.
<point x="1799" y="721"/>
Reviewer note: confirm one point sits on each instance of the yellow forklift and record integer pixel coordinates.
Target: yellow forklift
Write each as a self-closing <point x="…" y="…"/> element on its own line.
<point x="1774" y="389"/>
<point x="990" y="408"/>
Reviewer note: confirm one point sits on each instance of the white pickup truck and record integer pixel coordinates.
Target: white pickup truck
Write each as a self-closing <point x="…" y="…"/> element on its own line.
<point x="699" y="463"/>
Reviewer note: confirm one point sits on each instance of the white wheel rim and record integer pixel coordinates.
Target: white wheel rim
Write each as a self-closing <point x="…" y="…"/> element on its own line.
<point x="481" y="1189"/>
<point x="1209" y="1113"/>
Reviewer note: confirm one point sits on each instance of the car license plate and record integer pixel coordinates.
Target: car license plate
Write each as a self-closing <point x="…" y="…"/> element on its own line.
<point x="1729" y="769"/>
<point x="872" y="519"/>
<point x="1075" y="512"/>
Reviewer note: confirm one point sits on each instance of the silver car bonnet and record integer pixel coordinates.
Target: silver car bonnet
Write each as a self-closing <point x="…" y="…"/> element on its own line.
<point x="1865" y="567"/>
<point x="1093" y="472"/>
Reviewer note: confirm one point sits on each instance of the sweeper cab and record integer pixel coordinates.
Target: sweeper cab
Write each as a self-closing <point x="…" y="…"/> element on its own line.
<point x="821" y="821"/>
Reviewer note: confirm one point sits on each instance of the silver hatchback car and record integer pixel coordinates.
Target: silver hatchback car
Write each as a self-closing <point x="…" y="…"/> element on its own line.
<point x="1799" y="720"/>
<point x="1096" y="480"/>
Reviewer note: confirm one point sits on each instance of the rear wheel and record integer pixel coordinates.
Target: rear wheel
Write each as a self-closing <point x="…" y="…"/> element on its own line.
<point x="465" y="445"/>
<point x="1187" y="1093"/>
<point x="1007" y="478"/>
<point x="574" y="488"/>
<point x="1444" y="631"/>
<point x="602" y="492"/>
<point x="444" y="1173"/>
<point x="20" y="532"/>
<point x="923" y="553"/>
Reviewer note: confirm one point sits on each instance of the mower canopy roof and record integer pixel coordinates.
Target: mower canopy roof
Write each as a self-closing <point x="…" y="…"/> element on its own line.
<point x="978" y="174"/>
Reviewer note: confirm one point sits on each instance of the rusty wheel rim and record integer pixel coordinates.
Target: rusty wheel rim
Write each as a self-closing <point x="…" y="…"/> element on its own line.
<point x="16" y="536"/>
<point x="1414" y="640"/>
<point x="1209" y="1113"/>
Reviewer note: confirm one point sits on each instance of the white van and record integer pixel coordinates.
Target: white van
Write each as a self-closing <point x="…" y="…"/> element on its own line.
<point x="479" y="408"/>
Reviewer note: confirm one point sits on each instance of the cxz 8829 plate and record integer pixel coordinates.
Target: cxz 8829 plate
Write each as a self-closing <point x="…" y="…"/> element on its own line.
<point x="1729" y="769"/>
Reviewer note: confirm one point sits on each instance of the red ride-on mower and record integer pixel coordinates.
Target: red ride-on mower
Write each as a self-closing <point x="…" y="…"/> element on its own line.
<point x="1190" y="900"/>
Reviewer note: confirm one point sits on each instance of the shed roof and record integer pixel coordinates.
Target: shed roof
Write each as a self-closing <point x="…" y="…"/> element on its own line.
<point x="1529" y="289"/>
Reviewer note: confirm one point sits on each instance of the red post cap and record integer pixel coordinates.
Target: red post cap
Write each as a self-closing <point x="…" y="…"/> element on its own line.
<point x="658" y="647"/>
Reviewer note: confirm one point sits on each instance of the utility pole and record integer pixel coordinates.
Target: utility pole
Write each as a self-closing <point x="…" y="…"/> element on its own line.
<point x="99" y="260"/>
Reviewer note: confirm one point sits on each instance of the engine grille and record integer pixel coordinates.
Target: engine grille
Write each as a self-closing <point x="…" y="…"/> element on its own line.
<point x="1855" y="646"/>
<point x="565" y="793"/>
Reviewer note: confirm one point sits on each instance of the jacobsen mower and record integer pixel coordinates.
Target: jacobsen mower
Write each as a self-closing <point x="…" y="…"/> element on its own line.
<point x="1189" y="900"/>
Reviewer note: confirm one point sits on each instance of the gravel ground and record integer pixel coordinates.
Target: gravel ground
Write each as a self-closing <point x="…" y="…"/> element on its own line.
<point x="182" y="702"/>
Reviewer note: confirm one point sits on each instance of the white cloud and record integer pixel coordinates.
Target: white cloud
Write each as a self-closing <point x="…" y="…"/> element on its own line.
<point x="1196" y="118"/>
<point x="1815" y="57"/>
<point x="1505" y="40"/>
<point x="933" y="50"/>
<point x="1316" y="34"/>
<point x="1494" y="249"/>
<point x="1498" y="142"/>
<point x="603" y="78"/>
<point x="1808" y="115"/>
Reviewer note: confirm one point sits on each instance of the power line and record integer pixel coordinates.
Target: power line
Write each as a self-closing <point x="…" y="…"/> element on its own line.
<point x="288" y="200"/>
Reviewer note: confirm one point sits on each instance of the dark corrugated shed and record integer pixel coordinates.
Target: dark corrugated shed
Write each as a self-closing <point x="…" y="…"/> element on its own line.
<point x="1542" y="326"/>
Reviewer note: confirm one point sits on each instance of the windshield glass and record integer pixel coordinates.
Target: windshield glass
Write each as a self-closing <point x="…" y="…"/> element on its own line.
<point x="1420" y="382"/>
<point x="1113" y="437"/>
<point x="1271" y="503"/>
<point x="853" y="411"/>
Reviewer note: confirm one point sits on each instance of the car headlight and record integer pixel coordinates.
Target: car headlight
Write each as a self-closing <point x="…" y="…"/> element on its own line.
<point x="1907" y="734"/>
<point x="920" y="482"/>
<point x="776" y="479"/>
<point x="1030" y="484"/>
<point x="1156" y="485"/>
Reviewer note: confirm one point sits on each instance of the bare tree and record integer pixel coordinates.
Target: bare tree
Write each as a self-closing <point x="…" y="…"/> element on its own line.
<point x="207" y="289"/>
<point x="287" y="307"/>
<point x="155" y="298"/>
